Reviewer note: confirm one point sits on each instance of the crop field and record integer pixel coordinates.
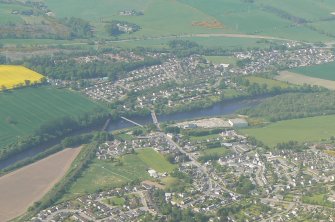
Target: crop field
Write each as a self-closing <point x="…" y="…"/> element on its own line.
<point x="324" y="71"/>
<point x="24" y="110"/>
<point x="17" y="194"/>
<point x="105" y="174"/>
<point x="277" y="18"/>
<point x="155" y="160"/>
<point x="11" y="76"/>
<point x="269" y="82"/>
<point x="301" y="79"/>
<point x="306" y="129"/>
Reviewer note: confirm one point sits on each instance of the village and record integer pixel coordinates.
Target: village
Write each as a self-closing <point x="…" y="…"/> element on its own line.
<point x="177" y="82"/>
<point x="220" y="167"/>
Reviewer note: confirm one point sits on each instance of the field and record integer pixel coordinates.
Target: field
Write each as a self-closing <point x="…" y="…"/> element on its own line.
<point x="324" y="71"/>
<point x="276" y="18"/>
<point x="221" y="151"/>
<point x="155" y="160"/>
<point x="306" y="129"/>
<point x="17" y="195"/>
<point x="105" y="174"/>
<point x="108" y="174"/>
<point x="24" y="110"/>
<point x="300" y="79"/>
<point x="10" y="76"/>
<point x="269" y="82"/>
<point x="222" y="59"/>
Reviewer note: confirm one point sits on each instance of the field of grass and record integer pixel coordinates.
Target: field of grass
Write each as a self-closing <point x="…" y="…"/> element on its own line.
<point x="324" y="71"/>
<point x="269" y="82"/>
<point x="155" y="160"/>
<point x="202" y="138"/>
<point x="24" y="110"/>
<point x="220" y="151"/>
<point x="306" y="129"/>
<point x="11" y="76"/>
<point x="242" y="17"/>
<point x="104" y="175"/>
<point x="222" y="59"/>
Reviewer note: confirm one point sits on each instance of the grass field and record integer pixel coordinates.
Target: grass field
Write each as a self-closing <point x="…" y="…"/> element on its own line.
<point x="24" y="110"/>
<point x="106" y="174"/>
<point x="264" y="17"/>
<point x="269" y="82"/>
<point x="306" y="129"/>
<point x="155" y="160"/>
<point x="222" y="59"/>
<point x="103" y="175"/>
<point x="299" y="79"/>
<point x="17" y="194"/>
<point x="10" y="76"/>
<point x="324" y="71"/>
<point x="220" y="151"/>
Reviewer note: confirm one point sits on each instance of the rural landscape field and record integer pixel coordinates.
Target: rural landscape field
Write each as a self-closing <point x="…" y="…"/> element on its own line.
<point x="167" y="110"/>
<point x="14" y="76"/>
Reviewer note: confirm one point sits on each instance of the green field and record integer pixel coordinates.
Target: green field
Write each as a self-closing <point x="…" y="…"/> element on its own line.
<point x="324" y="71"/>
<point x="108" y="174"/>
<point x="105" y="174"/>
<point x="306" y="129"/>
<point x="29" y="108"/>
<point x="155" y="160"/>
<point x="220" y="151"/>
<point x="269" y="82"/>
<point x="276" y="18"/>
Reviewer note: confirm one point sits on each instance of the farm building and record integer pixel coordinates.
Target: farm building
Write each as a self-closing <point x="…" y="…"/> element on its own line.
<point x="238" y="123"/>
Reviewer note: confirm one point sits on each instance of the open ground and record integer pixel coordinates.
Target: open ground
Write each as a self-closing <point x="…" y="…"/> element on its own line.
<point x="300" y="79"/>
<point x="29" y="108"/>
<point x="21" y="188"/>
<point x="301" y="130"/>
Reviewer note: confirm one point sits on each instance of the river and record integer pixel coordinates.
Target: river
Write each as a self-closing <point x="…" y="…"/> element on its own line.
<point x="219" y="109"/>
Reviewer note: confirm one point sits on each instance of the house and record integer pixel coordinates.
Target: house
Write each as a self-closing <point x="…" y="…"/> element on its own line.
<point x="153" y="173"/>
<point x="238" y="123"/>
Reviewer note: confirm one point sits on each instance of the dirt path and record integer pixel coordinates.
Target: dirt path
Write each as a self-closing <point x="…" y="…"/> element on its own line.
<point x="21" y="188"/>
<point x="299" y="79"/>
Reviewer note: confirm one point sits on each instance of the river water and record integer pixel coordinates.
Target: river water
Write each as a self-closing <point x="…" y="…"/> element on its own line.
<point x="224" y="108"/>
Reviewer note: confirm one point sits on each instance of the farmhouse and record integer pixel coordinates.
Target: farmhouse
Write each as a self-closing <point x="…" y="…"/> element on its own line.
<point x="238" y="123"/>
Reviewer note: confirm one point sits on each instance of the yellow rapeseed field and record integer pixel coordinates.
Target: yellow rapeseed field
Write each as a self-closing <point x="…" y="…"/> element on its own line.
<point x="13" y="76"/>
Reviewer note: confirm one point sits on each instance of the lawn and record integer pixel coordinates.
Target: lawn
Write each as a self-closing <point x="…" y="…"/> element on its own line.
<point x="155" y="160"/>
<point x="12" y="76"/>
<point x="220" y="151"/>
<point x="269" y="82"/>
<point x="106" y="175"/>
<point x="207" y="137"/>
<point x="324" y="71"/>
<point x="23" y="111"/>
<point x="306" y="129"/>
<point x="222" y="59"/>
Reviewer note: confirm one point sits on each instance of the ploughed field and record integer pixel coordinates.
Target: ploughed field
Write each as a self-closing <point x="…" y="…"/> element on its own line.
<point x="23" y="111"/>
<point x="21" y="188"/>
<point x="15" y="76"/>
